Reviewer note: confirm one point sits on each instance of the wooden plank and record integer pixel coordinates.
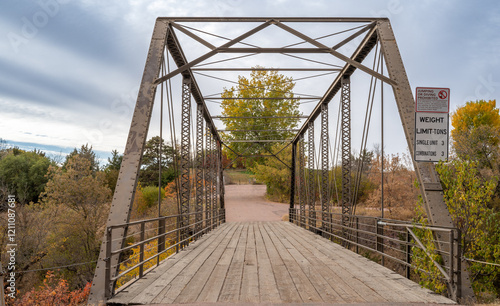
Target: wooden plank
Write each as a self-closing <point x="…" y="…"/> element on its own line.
<point x="168" y="295"/>
<point x="249" y="292"/>
<point x="309" y="265"/>
<point x="387" y="283"/>
<point x="306" y="290"/>
<point x="286" y="287"/>
<point x="338" y="283"/>
<point x="194" y="287"/>
<point x="182" y="261"/>
<point x="212" y="289"/>
<point x="267" y="283"/>
<point x="138" y="291"/>
<point x="231" y="289"/>
<point x="337" y="266"/>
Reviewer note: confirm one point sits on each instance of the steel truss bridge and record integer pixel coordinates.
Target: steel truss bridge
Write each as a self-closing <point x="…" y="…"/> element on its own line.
<point x="212" y="265"/>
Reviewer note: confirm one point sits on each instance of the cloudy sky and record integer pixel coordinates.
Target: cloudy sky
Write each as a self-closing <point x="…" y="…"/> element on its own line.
<point x="70" y="69"/>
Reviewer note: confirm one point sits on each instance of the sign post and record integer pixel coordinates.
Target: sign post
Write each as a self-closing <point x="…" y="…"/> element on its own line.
<point x="431" y="124"/>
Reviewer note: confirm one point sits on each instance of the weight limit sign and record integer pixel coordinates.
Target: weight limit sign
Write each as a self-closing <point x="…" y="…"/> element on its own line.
<point x="431" y="137"/>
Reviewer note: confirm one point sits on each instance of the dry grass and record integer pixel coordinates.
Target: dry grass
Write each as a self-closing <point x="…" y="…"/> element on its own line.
<point x="239" y="177"/>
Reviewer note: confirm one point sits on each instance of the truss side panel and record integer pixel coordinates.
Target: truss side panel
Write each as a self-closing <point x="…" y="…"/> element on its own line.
<point x="127" y="179"/>
<point x="427" y="176"/>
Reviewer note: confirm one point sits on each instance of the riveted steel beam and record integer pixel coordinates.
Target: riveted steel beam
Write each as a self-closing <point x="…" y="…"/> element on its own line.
<point x="200" y="160"/>
<point x="208" y="178"/>
<point x="282" y="19"/>
<point x="428" y="179"/>
<point x="127" y="179"/>
<point x="325" y="167"/>
<point x="211" y="53"/>
<point x="345" y="127"/>
<point x="359" y="55"/>
<point x="311" y="175"/>
<point x="185" y="161"/>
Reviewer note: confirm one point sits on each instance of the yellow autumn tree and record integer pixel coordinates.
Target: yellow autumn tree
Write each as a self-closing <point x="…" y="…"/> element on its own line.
<point x="476" y="132"/>
<point x="260" y="107"/>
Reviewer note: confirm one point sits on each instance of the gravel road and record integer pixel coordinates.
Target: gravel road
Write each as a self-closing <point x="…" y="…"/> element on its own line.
<point x="248" y="203"/>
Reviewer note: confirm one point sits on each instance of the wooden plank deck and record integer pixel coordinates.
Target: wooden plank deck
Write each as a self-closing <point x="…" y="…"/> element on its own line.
<point x="271" y="262"/>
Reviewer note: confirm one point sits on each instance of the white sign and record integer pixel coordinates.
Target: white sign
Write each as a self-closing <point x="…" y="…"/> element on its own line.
<point x="431" y="136"/>
<point x="434" y="100"/>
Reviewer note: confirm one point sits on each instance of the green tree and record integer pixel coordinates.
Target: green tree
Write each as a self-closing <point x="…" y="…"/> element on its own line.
<point x="112" y="169"/>
<point x="250" y="107"/>
<point x="23" y="174"/>
<point x="467" y="195"/>
<point x="275" y="174"/>
<point x="150" y="163"/>
<point x="79" y="198"/>
<point x="87" y="153"/>
<point x="476" y="137"/>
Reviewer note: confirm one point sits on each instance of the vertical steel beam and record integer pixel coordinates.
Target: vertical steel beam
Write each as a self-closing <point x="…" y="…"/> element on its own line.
<point x="311" y="174"/>
<point x="129" y="170"/>
<point x="185" y="165"/>
<point x="346" y="149"/>
<point x="222" y="208"/>
<point x="208" y="179"/>
<point x="217" y="183"/>
<point x="213" y="169"/>
<point x="325" y="201"/>
<point x="302" y="196"/>
<point x="428" y="179"/>
<point x="293" y="182"/>
<point x="199" y="169"/>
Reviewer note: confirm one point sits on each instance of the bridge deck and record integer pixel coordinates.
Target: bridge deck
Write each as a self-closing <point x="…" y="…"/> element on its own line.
<point x="271" y="262"/>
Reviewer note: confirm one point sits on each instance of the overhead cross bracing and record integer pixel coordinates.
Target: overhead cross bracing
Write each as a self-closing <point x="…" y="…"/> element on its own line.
<point x="315" y="55"/>
<point x="319" y="55"/>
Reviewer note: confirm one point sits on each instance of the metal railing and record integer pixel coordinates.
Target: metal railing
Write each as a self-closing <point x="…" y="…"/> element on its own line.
<point x="398" y="245"/>
<point x="149" y="242"/>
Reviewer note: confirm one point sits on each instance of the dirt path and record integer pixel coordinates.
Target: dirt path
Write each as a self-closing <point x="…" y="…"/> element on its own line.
<point x="248" y="203"/>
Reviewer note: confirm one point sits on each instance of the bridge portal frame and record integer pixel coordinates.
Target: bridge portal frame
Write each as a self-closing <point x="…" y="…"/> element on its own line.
<point x="377" y="30"/>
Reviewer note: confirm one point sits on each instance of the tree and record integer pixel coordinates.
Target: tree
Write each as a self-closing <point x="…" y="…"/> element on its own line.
<point x="467" y="195"/>
<point x="87" y="153"/>
<point x="79" y="197"/>
<point x="251" y="106"/>
<point x="23" y="174"/>
<point x="275" y="174"/>
<point x="476" y="137"/>
<point x="476" y="132"/>
<point x="112" y="169"/>
<point x="151" y="160"/>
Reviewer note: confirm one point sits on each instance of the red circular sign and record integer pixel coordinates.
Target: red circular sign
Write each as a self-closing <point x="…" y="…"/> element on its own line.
<point x="443" y="94"/>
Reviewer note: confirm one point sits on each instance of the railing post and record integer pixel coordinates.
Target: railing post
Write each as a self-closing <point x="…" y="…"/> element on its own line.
<point x="408" y="254"/>
<point x="161" y="240"/>
<point x="452" y="284"/>
<point x="107" y="280"/>
<point x="141" y="251"/>
<point x="357" y="234"/>
<point x="380" y="240"/>
<point x="178" y="226"/>
<point x="458" y="267"/>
